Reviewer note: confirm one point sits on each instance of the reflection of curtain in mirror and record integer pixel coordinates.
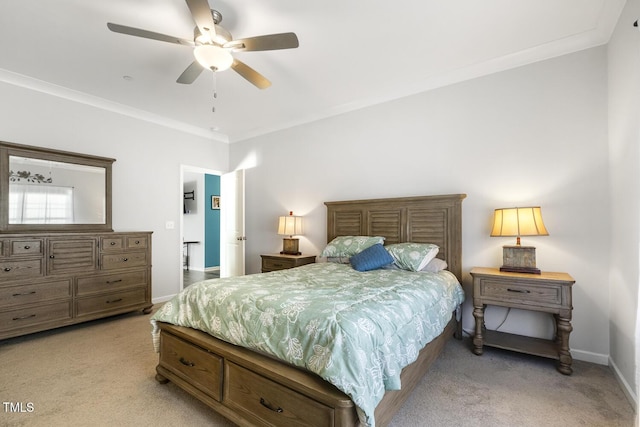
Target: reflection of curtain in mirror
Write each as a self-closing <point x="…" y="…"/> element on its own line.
<point x="40" y="204"/>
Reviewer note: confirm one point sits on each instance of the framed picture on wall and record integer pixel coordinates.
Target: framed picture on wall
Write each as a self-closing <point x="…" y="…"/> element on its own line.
<point x="215" y="202"/>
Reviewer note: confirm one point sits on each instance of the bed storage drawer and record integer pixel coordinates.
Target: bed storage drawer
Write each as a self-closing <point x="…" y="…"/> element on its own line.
<point x="201" y="368"/>
<point x="270" y="402"/>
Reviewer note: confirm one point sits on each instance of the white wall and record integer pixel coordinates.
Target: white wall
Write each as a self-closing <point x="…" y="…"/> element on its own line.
<point x="147" y="190"/>
<point x="532" y="135"/>
<point x="624" y="151"/>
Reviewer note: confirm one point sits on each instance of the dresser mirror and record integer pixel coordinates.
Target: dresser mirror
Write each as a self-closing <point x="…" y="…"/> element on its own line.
<point x="52" y="190"/>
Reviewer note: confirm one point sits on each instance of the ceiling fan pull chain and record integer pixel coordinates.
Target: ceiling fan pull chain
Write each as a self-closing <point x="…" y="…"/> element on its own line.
<point x="215" y="90"/>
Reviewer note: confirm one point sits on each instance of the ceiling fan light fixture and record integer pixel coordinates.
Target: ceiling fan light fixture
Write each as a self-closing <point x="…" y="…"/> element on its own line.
<point x="213" y="57"/>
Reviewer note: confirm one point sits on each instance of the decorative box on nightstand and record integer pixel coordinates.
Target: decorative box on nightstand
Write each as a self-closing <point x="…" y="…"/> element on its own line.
<point x="274" y="262"/>
<point x="546" y="292"/>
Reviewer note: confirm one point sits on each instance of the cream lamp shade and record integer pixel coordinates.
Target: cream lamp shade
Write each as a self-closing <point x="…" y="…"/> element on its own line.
<point x="289" y="226"/>
<point x="516" y="222"/>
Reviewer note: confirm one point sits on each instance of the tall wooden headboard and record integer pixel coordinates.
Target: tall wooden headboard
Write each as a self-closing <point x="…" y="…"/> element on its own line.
<point x="425" y="219"/>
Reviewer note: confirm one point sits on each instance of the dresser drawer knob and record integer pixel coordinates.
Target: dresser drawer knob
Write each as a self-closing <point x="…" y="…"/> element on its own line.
<point x="52" y="256"/>
<point x="270" y="407"/>
<point x="27" y="247"/>
<point x="519" y="291"/>
<point x="137" y="242"/>
<point x="187" y="363"/>
<point x="112" y="243"/>
<point x="30" y="316"/>
<point x="125" y="259"/>
<point x="7" y="269"/>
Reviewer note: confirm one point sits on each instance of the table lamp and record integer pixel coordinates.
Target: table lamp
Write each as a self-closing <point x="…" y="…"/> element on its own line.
<point x="518" y="222"/>
<point x="289" y="226"/>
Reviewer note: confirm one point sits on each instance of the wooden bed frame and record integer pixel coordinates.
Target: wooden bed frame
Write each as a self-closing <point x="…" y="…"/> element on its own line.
<point x="252" y="389"/>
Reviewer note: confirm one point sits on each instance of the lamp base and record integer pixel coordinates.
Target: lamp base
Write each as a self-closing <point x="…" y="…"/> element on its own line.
<point x="290" y="247"/>
<point x="519" y="259"/>
<point x="527" y="270"/>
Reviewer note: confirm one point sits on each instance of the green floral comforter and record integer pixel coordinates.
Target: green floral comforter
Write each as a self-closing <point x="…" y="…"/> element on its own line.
<point x="356" y="330"/>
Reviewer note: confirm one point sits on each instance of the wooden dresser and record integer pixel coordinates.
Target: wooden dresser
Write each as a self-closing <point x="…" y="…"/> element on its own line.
<point x="48" y="280"/>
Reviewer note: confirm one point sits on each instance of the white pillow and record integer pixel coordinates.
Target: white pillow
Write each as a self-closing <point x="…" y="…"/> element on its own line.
<point x="412" y="256"/>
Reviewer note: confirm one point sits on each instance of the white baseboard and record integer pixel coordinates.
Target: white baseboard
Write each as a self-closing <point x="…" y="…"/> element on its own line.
<point x="162" y="299"/>
<point x="588" y="356"/>
<point x="628" y="391"/>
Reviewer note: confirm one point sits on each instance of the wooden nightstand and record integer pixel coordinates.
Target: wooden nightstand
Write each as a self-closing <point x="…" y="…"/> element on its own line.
<point x="546" y="292"/>
<point x="273" y="262"/>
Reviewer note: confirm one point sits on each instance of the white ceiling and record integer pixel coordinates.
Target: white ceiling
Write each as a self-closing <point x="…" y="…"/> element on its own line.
<point x="352" y="53"/>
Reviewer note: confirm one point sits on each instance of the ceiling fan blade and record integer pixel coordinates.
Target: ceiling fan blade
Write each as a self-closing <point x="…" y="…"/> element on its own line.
<point x="131" y="31"/>
<point x="190" y="74"/>
<point x="254" y="77"/>
<point x="203" y="17"/>
<point x="267" y="42"/>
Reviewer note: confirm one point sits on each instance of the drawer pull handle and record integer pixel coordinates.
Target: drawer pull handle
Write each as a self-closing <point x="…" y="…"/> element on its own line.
<point x="270" y="407"/>
<point x="24" y="294"/>
<point x="25" y="317"/>
<point x="114" y="300"/>
<point x="7" y="269"/>
<point x="187" y="363"/>
<point x="520" y="291"/>
<point x="113" y="281"/>
<point x="27" y="247"/>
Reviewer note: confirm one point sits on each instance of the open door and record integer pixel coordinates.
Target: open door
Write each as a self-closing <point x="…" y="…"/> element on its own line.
<point x="232" y="232"/>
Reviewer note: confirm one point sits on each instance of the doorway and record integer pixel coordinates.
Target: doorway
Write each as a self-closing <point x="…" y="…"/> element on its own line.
<point x="200" y="225"/>
<point x="212" y="224"/>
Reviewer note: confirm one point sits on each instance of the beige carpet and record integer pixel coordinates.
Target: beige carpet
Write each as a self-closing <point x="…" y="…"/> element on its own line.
<point x="102" y="374"/>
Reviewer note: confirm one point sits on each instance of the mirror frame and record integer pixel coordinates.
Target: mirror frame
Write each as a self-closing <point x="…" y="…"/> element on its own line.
<point x="10" y="149"/>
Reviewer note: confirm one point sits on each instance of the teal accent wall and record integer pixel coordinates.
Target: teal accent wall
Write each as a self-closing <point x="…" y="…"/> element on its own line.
<point x="211" y="223"/>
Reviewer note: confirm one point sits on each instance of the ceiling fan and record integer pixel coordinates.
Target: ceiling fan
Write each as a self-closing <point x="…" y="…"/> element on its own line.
<point x="213" y="45"/>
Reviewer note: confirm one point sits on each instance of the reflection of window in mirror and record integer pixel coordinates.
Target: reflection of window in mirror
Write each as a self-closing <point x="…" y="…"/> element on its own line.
<point x="49" y="192"/>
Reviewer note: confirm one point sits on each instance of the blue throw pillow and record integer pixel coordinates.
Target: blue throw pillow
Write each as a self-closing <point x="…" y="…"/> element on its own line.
<point x="373" y="257"/>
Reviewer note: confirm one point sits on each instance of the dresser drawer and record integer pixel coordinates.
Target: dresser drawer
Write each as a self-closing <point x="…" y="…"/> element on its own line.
<point x="27" y="247"/>
<point x="30" y="316"/>
<point x="201" y="368"/>
<point x="21" y="269"/>
<point x="112" y="243"/>
<point x="123" y="260"/>
<point x="109" y="282"/>
<point x="33" y="293"/>
<point x="136" y="242"/>
<point x="111" y="302"/>
<point x="270" y="402"/>
<point x="520" y="292"/>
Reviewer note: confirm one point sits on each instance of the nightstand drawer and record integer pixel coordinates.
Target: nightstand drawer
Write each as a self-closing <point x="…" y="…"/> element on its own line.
<point x="529" y="294"/>
<point x="277" y="264"/>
